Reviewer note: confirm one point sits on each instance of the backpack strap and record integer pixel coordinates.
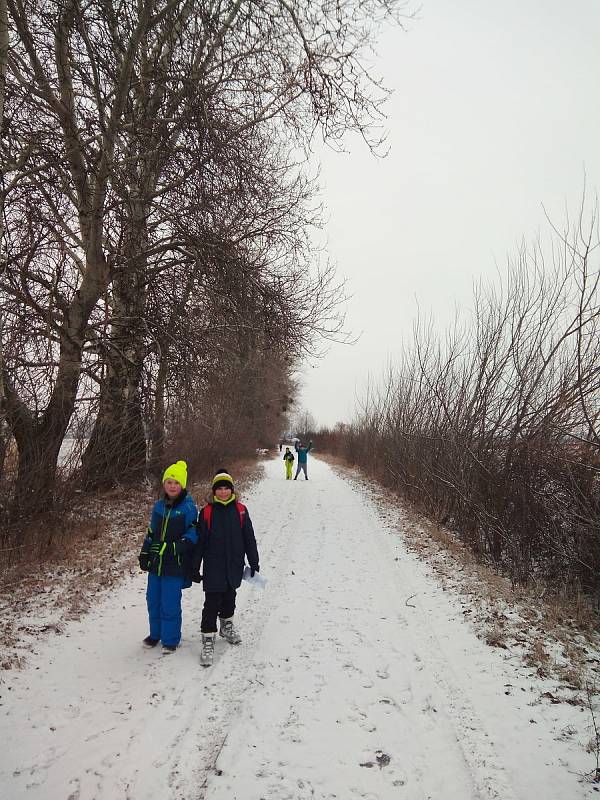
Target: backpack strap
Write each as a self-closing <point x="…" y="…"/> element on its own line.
<point x="241" y="511"/>
<point x="207" y="513"/>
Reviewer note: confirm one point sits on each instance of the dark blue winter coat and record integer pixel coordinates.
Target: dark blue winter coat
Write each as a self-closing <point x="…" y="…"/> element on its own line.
<point x="173" y="528"/>
<point x="221" y="549"/>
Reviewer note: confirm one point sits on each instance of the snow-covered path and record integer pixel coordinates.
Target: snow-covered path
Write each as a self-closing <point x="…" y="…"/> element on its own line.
<point x="358" y="677"/>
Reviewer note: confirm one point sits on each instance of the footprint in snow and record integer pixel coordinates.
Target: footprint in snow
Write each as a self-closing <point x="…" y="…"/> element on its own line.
<point x="155" y="698"/>
<point x="381" y="760"/>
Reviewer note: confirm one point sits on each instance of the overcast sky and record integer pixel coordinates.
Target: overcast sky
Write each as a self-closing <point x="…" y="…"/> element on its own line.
<point x="495" y="116"/>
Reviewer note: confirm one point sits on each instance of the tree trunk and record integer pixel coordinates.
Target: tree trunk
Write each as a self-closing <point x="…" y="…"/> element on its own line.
<point x="36" y="479"/>
<point x="4" y="44"/>
<point x="117" y="448"/>
<point x="157" y="428"/>
<point x="39" y="439"/>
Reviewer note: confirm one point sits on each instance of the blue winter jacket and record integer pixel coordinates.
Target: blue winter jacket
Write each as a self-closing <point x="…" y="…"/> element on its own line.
<point x="303" y="452"/>
<point x="173" y="528"/>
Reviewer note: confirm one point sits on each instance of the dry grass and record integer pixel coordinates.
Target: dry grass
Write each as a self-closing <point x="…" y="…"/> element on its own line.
<point x="536" y="656"/>
<point x="496" y="637"/>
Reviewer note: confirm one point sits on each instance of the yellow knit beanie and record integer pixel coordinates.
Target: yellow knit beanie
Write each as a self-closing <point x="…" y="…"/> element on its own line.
<point x="177" y="472"/>
<point x="222" y="478"/>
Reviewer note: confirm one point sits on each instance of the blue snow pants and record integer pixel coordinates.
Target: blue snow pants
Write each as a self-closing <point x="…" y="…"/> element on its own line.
<point x="163" y="596"/>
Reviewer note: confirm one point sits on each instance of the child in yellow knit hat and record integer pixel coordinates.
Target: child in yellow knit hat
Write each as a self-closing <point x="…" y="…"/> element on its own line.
<point x="225" y="538"/>
<point x="288" y="459"/>
<point x="166" y="556"/>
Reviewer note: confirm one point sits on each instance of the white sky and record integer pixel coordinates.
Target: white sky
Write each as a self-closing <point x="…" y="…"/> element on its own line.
<point x="495" y="113"/>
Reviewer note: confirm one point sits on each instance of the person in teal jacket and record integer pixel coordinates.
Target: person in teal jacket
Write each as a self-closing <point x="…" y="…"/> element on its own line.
<point x="302" y="458"/>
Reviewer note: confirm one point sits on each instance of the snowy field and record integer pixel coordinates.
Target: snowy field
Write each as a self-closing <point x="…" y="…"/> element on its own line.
<point x="358" y="677"/>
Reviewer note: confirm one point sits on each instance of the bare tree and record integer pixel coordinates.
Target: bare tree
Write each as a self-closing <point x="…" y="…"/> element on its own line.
<point x="249" y="67"/>
<point x="4" y="43"/>
<point x="47" y="84"/>
<point x="492" y="428"/>
<point x="113" y="116"/>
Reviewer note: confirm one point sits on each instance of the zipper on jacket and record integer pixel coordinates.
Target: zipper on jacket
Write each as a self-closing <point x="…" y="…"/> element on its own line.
<point x="162" y="538"/>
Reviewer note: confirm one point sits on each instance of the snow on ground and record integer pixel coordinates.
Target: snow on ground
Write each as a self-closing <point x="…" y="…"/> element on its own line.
<point x="358" y="677"/>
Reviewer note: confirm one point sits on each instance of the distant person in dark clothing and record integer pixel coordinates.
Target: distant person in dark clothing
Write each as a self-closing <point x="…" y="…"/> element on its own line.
<point x="288" y="458"/>
<point x="302" y="458"/>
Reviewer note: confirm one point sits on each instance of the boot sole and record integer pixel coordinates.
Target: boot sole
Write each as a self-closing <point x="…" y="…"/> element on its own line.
<point x="239" y="641"/>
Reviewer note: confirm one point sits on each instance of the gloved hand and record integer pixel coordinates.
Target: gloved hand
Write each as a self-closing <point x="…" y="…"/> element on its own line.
<point x="156" y="548"/>
<point x="253" y="570"/>
<point x="182" y="546"/>
<point x="144" y="556"/>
